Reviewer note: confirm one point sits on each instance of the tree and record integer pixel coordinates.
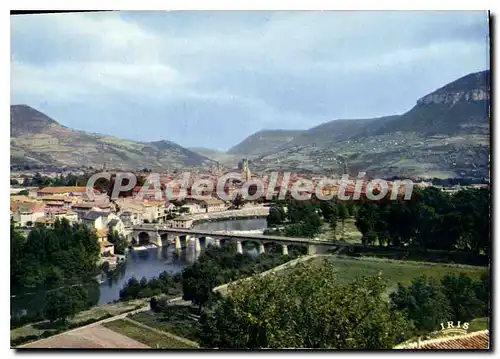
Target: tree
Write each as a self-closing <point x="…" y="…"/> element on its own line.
<point x="198" y="282"/>
<point x="238" y="201"/>
<point x="461" y="293"/>
<point x="343" y="214"/>
<point x="304" y="308"/>
<point x="276" y="216"/>
<point x="65" y="303"/>
<point x="423" y="302"/>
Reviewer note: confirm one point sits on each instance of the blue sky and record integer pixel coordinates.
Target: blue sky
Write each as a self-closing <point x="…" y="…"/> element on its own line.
<point x="210" y="79"/>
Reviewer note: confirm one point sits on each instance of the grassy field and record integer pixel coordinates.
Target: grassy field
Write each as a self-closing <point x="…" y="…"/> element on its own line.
<point x="178" y="321"/>
<point x="86" y="316"/>
<point x="146" y="336"/>
<point x="478" y="324"/>
<point x="350" y="234"/>
<point x="395" y="271"/>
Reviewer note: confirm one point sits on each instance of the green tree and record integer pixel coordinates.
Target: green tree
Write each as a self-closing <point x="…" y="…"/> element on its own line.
<point x="238" y="201"/>
<point x="461" y="293"/>
<point x="65" y="303"/>
<point x="276" y="216"/>
<point x="198" y="282"/>
<point x="305" y="308"/>
<point x="424" y="302"/>
<point x="343" y="214"/>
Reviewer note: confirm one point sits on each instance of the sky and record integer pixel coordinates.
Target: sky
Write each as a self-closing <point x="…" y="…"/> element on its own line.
<point x="212" y="78"/>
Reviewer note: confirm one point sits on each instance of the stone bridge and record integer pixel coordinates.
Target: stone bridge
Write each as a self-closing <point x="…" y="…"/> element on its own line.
<point x="159" y="234"/>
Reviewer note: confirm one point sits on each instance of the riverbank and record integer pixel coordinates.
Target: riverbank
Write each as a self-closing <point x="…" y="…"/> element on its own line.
<point x="237" y="214"/>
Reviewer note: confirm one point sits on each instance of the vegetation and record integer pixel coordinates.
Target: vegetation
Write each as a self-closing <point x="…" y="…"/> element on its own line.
<point x="163" y="284"/>
<point x="144" y="335"/>
<point x="180" y="320"/>
<point x="428" y="302"/>
<point x="432" y="219"/>
<point x="216" y="266"/>
<point x="120" y="242"/>
<point x="53" y="272"/>
<point x="301" y="218"/>
<point x="53" y="257"/>
<point x="305" y="308"/>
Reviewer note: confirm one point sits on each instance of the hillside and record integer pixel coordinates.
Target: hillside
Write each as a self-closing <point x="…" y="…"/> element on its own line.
<point x="446" y="134"/>
<point x="262" y="142"/>
<point x="224" y="158"/>
<point x="38" y="139"/>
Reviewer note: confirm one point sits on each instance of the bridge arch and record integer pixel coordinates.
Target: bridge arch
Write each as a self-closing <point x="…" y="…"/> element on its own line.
<point x="164" y="238"/>
<point x="143" y="238"/>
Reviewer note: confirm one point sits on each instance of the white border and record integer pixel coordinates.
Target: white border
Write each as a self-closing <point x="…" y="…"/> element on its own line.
<point x="197" y="5"/>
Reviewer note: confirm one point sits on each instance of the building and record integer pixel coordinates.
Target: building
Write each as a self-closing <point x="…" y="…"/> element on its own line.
<point x="474" y="340"/>
<point x="45" y="221"/>
<point x="182" y="222"/>
<point x="154" y="211"/>
<point x="27" y="213"/>
<point x="63" y="191"/>
<point x="213" y="205"/>
<point x="68" y="214"/>
<point x="96" y="219"/>
<point x="117" y="225"/>
<point x="107" y="248"/>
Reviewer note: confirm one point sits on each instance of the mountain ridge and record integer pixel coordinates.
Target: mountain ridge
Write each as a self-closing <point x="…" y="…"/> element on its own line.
<point x="38" y="139"/>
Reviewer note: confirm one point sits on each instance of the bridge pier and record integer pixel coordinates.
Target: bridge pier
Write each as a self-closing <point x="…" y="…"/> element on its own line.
<point x="197" y="246"/>
<point x="284" y="249"/>
<point x="217" y="242"/>
<point x="239" y="247"/>
<point x="156" y="240"/>
<point x="262" y="249"/>
<point x="178" y="246"/>
<point x="311" y="249"/>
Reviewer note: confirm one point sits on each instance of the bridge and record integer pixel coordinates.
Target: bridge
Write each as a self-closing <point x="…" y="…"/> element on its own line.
<point x="158" y="234"/>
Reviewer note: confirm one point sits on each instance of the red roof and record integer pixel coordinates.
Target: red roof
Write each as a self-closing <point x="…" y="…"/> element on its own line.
<point x="475" y="340"/>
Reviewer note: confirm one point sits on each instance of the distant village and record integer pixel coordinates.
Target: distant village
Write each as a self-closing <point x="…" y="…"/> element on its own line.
<point x="31" y="206"/>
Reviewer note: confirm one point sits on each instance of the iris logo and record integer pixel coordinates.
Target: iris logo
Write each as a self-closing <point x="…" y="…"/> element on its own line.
<point x="451" y="328"/>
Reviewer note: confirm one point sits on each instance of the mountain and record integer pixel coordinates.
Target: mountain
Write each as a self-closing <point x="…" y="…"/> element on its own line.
<point x="461" y="106"/>
<point x="38" y="139"/>
<point x="224" y="158"/>
<point x="446" y="134"/>
<point x="263" y="142"/>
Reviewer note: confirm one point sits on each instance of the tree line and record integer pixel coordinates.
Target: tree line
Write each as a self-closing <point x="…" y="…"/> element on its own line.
<point x="55" y="263"/>
<point x="310" y="308"/>
<point x="431" y="219"/>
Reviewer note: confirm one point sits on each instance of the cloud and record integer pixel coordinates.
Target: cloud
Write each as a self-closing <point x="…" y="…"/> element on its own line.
<point x="236" y="72"/>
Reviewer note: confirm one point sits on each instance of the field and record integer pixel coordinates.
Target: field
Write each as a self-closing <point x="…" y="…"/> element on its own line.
<point x="179" y="321"/>
<point x="150" y="337"/>
<point x="395" y="271"/>
<point x="87" y="316"/>
<point x="92" y="337"/>
<point x="350" y="234"/>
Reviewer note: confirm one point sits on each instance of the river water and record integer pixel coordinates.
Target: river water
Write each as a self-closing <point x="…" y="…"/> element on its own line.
<point x="151" y="262"/>
<point x="145" y="263"/>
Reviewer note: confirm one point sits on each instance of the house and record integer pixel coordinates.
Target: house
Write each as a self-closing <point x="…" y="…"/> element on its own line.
<point x="131" y="218"/>
<point x="82" y="208"/>
<point x="116" y="225"/>
<point x="154" y="211"/>
<point x="107" y="248"/>
<point x="27" y="213"/>
<point x="45" y="221"/>
<point x="62" y="214"/>
<point x="182" y="222"/>
<point x="96" y="219"/>
<point x="213" y="205"/>
<point x="63" y="191"/>
<point x="474" y="340"/>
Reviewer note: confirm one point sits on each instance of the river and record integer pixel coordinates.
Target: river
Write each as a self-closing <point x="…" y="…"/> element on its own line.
<point x="145" y="263"/>
<point x="151" y="262"/>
